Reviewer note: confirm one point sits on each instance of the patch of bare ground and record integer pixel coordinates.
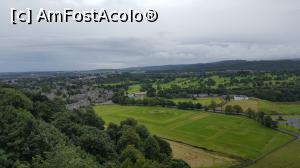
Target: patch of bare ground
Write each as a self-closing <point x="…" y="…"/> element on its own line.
<point x="197" y="157"/>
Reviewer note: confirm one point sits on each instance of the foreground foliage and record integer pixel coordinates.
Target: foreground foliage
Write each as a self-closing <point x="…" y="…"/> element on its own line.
<point x="39" y="133"/>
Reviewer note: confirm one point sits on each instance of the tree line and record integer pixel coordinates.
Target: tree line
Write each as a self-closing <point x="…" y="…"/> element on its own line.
<point x="119" y="98"/>
<point x="260" y="117"/>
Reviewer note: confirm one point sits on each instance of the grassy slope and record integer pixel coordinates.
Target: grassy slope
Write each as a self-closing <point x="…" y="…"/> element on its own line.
<point x="228" y="134"/>
<point x="288" y="156"/>
<point x="268" y="106"/>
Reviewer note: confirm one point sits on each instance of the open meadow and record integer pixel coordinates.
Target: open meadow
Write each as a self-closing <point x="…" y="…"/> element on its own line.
<point x="268" y="106"/>
<point x="233" y="135"/>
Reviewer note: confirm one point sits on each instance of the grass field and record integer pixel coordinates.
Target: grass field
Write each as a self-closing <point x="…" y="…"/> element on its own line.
<point x="134" y="88"/>
<point x="204" y="101"/>
<point x="268" y="106"/>
<point x="286" y="157"/>
<point x="180" y="82"/>
<point x="197" y="158"/>
<point x="228" y="134"/>
<point x="289" y="128"/>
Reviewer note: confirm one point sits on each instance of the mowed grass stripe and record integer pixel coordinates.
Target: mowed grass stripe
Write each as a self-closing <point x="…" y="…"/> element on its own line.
<point x="228" y="134"/>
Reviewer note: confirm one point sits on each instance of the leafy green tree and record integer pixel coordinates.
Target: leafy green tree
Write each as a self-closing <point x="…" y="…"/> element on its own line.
<point x="210" y="82"/>
<point x="96" y="142"/>
<point x="250" y="113"/>
<point x="15" y="98"/>
<point x="113" y="132"/>
<point x="145" y="163"/>
<point x="164" y="148"/>
<point x="127" y="164"/>
<point x="131" y="153"/>
<point x="89" y="117"/>
<point x="228" y="109"/>
<point x="142" y="131"/>
<point x="128" y="137"/>
<point x="129" y="122"/>
<point x="151" y="148"/>
<point x="268" y="121"/>
<point x="198" y="106"/>
<point x="42" y="110"/>
<point x="237" y="109"/>
<point x="57" y="105"/>
<point x="25" y="137"/>
<point x="213" y="105"/>
<point x="5" y="160"/>
<point x="185" y="105"/>
<point x="65" y="157"/>
<point x="67" y="123"/>
<point x="260" y="117"/>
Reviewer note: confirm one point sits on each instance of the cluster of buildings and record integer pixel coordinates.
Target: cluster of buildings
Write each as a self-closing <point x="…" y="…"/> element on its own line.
<point x="88" y="97"/>
<point x="233" y="97"/>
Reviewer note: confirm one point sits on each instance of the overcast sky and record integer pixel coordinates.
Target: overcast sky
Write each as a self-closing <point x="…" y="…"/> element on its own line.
<point x="187" y="31"/>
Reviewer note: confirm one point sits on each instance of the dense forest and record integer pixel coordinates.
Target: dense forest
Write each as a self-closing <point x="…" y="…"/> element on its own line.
<point x="38" y="132"/>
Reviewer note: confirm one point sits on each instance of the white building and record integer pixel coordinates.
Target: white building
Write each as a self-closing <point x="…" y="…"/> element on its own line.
<point x="137" y="95"/>
<point x="240" y="97"/>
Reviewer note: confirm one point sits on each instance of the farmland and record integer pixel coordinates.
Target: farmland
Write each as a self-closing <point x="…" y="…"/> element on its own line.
<point x="227" y="134"/>
<point x="287" y="156"/>
<point x="268" y="106"/>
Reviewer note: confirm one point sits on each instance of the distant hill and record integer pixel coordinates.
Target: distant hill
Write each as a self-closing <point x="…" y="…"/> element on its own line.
<point x="232" y="65"/>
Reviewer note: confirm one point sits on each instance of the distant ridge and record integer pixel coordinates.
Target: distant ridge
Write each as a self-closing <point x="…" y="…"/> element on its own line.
<point x="230" y="65"/>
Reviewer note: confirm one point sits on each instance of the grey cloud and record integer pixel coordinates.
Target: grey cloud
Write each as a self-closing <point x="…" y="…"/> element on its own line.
<point x="188" y="31"/>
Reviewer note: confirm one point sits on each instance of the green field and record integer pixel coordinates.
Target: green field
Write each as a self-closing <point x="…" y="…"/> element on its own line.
<point x="286" y="157"/>
<point x="204" y="101"/>
<point x="134" y="88"/>
<point x="228" y="134"/>
<point x="289" y="128"/>
<point x="268" y="106"/>
<point x="187" y="82"/>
